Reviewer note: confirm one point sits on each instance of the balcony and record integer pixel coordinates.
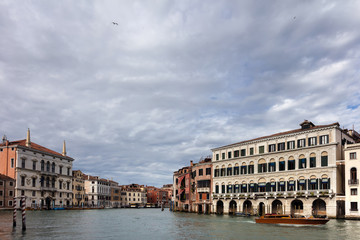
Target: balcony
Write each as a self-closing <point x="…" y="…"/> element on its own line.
<point x="353" y="181"/>
<point x="203" y="190"/>
<point x="48" y="189"/>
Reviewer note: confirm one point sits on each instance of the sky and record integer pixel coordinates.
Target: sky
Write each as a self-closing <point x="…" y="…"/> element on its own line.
<point x="137" y="100"/>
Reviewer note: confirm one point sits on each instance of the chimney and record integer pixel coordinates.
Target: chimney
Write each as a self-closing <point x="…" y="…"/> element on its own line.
<point x="191" y="163"/>
<point x="28" y="142"/>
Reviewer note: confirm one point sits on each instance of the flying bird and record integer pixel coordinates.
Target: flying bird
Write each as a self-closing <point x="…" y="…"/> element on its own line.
<point x="115" y="23"/>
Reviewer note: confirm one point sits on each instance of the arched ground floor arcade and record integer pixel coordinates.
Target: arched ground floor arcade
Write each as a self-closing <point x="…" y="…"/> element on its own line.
<point x="320" y="207"/>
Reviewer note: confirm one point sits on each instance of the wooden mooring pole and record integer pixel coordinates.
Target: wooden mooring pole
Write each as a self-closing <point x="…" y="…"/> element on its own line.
<point x="14" y="214"/>
<point x="23" y="213"/>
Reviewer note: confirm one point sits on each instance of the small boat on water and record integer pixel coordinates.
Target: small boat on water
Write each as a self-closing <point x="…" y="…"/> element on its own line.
<point x="287" y="219"/>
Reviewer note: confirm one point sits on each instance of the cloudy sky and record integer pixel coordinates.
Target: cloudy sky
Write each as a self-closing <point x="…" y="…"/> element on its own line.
<point x="138" y="100"/>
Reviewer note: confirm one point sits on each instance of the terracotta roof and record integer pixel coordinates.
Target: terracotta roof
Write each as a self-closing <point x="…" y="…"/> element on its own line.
<point x="6" y="178"/>
<point x="282" y="133"/>
<point x="34" y="146"/>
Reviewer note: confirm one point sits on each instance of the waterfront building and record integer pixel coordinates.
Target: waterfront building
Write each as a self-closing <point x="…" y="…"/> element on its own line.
<point x="42" y="175"/>
<point x="97" y="191"/>
<point x="7" y="191"/>
<point x="156" y="197"/>
<point x="201" y="187"/>
<point x="133" y="195"/>
<point x="181" y="185"/>
<point x="169" y="189"/>
<point x="78" y="187"/>
<point x="352" y="166"/>
<point x="115" y="194"/>
<point x="295" y="172"/>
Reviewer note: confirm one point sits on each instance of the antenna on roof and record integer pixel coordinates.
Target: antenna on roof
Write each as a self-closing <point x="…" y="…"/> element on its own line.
<point x="4" y="139"/>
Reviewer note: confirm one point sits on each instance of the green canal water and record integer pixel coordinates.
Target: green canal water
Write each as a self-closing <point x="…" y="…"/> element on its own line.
<point x="155" y="224"/>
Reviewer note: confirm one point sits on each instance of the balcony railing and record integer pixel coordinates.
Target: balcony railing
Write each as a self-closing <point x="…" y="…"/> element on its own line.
<point x="204" y="189"/>
<point x="48" y="189"/>
<point x="353" y="181"/>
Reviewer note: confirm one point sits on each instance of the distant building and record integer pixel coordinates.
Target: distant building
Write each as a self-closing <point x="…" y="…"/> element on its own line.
<point x="97" y="191"/>
<point x="133" y="195"/>
<point x="7" y="191"/>
<point x="115" y="192"/>
<point x="169" y="189"/>
<point x="42" y="175"/>
<point x="157" y="197"/>
<point x="352" y="166"/>
<point x="78" y="187"/>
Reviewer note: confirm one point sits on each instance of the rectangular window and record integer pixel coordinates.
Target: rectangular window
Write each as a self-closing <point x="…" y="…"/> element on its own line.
<point x="324" y="139"/>
<point x="282" y="166"/>
<point x="272" y="148"/>
<point x="261" y="149"/>
<point x="236" y="153"/>
<point x="313" y="162"/>
<point x="208" y="171"/>
<point x="34" y="182"/>
<point x="301" y="143"/>
<point x="1" y="202"/>
<point x="23" y="163"/>
<point x="10" y="193"/>
<point x="201" y="172"/>
<point x="22" y="181"/>
<point x="291" y="145"/>
<point x="281" y="146"/>
<point x="243" y="152"/>
<point x="200" y="196"/>
<point x="12" y="163"/>
<point x="302" y="163"/>
<point x="354" y="206"/>
<point x="217" y="156"/>
<point x="1" y="183"/>
<point x="33" y="193"/>
<point x="291" y="164"/>
<point x="353" y="155"/>
<point x="34" y="165"/>
<point x="229" y="154"/>
<point x="324" y="161"/>
<point x="1" y="193"/>
<point x="312" y="141"/>
<point x="223" y="156"/>
<point x="251" y="151"/>
<point x="354" y="191"/>
<point x="60" y="169"/>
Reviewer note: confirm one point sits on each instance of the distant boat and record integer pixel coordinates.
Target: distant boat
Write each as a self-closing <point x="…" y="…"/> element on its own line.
<point x="59" y="208"/>
<point x="287" y="219"/>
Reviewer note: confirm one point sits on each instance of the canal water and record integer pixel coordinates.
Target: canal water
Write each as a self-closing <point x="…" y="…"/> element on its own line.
<point x="157" y="224"/>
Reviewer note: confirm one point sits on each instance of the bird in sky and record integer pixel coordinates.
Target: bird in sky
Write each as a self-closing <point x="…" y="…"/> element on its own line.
<point x="115" y="23"/>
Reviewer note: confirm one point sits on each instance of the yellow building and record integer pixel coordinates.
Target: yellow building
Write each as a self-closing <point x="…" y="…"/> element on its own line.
<point x="78" y="188"/>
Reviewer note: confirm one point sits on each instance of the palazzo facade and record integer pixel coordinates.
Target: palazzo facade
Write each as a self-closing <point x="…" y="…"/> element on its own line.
<point x="295" y="172"/>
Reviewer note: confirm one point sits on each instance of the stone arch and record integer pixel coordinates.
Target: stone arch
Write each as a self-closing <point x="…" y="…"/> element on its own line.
<point x="247" y="207"/>
<point x="219" y="207"/>
<point x="297" y="207"/>
<point x="261" y="209"/>
<point x="232" y="207"/>
<point x="277" y="207"/>
<point x="319" y="208"/>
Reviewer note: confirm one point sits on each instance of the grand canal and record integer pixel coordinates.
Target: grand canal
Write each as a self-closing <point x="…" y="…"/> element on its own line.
<point x="155" y="224"/>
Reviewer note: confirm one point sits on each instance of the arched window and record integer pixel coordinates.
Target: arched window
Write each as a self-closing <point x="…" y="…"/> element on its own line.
<point x="217" y="188"/>
<point x="243" y="168"/>
<point x="53" y="167"/>
<point x="291" y="163"/>
<point x="302" y="161"/>
<point x="222" y="172"/>
<point x="229" y="170"/>
<point x="262" y="166"/>
<point x="281" y="185"/>
<point x="48" y="166"/>
<point x="223" y="188"/>
<point x="236" y="169"/>
<point x="229" y="188"/>
<point x="236" y="187"/>
<point x="243" y="187"/>
<point x="291" y="184"/>
<point x="251" y="167"/>
<point x="324" y="159"/>
<point x="272" y="165"/>
<point x="301" y="183"/>
<point x="281" y="164"/>
<point x="217" y="171"/>
<point x="262" y="185"/>
<point x="47" y="182"/>
<point x="312" y="160"/>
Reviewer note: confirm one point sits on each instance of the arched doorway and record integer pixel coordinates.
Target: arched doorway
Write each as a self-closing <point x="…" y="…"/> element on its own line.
<point x="261" y="209"/>
<point x="297" y="207"/>
<point x="232" y="207"/>
<point x="319" y="208"/>
<point x="277" y="207"/>
<point x="48" y="203"/>
<point x="247" y="207"/>
<point x="219" y="207"/>
<point x="200" y="210"/>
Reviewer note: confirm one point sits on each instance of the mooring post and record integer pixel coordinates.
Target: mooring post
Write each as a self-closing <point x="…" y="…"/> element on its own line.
<point x="14" y="214"/>
<point x="23" y="213"/>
